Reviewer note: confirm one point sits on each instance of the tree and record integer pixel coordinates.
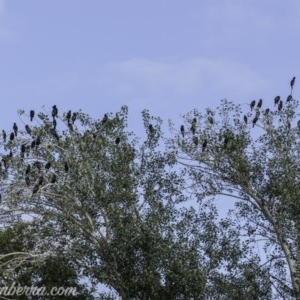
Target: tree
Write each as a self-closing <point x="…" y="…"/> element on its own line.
<point x="256" y="163"/>
<point x="113" y="212"/>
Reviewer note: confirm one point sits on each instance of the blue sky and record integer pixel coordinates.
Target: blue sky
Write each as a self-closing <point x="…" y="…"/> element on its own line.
<point x="168" y="56"/>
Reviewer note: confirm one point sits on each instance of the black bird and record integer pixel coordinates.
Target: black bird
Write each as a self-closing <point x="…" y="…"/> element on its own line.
<point x="48" y="165"/>
<point x="259" y="104"/>
<point x="23" y="148"/>
<point x="254" y="120"/>
<point x="4" y="136"/>
<point x="280" y="105"/>
<point x="41" y="180"/>
<point x="31" y="115"/>
<point x="53" y="178"/>
<point x="10" y="154"/>
<point x="74" y="116"/>
<point x="66" y="167"/>
<point x="182" y="130"/>
<point x="118" y="140"/>
<point x="204" y="145"/>
<point x="151" y="129"/>
<point x="33" y="144"/>
<point x="12" y="136"/>
<point x="70" y="126"/>
<point x="105" y="118"/>
<point x="68" y="116"/>
<point x="27" y="171"/>
<point x="28" y="129"/>
<point x="15" y="128"/>
<point x="54" y="111"/>
<point x="193" y="128"/>
<point x="210" y="120"/>
<point x="195" y="140"/>
<point x="276" y="100"/>
<point x="245" y="119"/>
<point x="226" y="140"/>
<point x="38" y="141"/>
<point x="298" y="124"/>
<point x="54" y="123"/>
<point x="267" y="111"/>
<point x="252" y="104"/>
<point x="293" y="82"/>
<point x="289" y="98"/>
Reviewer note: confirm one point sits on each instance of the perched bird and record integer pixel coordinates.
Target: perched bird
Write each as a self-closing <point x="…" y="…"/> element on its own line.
<point x="10" y="154"/>
<point x="252" y="104"/>
<point x="280" y="105"/>
<point x="105" y="118"/>
<point x="211" y="120"/>
<point x="23" y="148"/>
<point x="15" y="128"/>
<point x="48" y="165"/>
<point x="259" y="104"/>
<point x="33" y="144"/>
<point x="41" y="180"/>
<point x="54" y="111"/>
<point x="267" y="111"/>
<point x="68" y="116"/>
<point x="195" y="140"/>
<point x="53" y="178"/>
<point x="292" y="82"/>
<point x="289" y="98"/>
<point x="74" y="116"/>
<point x="226" y="140"/>
<point x="204" y="145"/>
<point x="38" y="141"/>
<point x="182" y="130"/>
<point x="254" y="121"/>
<point x="28" y="129"/>
<point x="193" y="128"/>
<point x="31" y="115"/>
<point x="66" y="167"/>
<point x="27" y="171"/>
<point x="118" y="141"/>
<point x="4" y="135"/>
<point x="245" y="119"/>
<point x="298" y="124"/>
<point x="151" y="129"/>
<point x="70" y="126"/>
<point x="12" y="136"/>
<point x="276" y="100"/>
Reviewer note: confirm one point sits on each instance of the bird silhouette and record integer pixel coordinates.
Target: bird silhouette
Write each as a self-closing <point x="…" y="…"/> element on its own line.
<point x="117" y="141"/>
<point x="68" y="116"/>
<point x="292" y="82"/>
<point x="182" y="130"/>
<point x="4" y="136"/>
<point x="33" y="144"/>
<point x="289" y="98"/>
<point x="105" y="118"/>
<point x="54" y="111"/>
<point x="245" y="119"/>
<point x="74" y="116"/>
<point x="280" y="105"/>
<point x="12" y="136"/>
<point x="259" y="104"/>
<point x="41" y="180"/>
<point x="276" y="100"/>
<point x="252" y="104"/>
<point x="267" y="111"/>
<point x="15" y="128"/>
<point x="151" y="129"/>
<point x="298" y="124"/>
<point x="38" y="141"/>
<point x="211" y="120"/>
<point x="70" y="126"/>
<point x="254" y="121"/>
<point x="31" y="115"/>
<point x="48" y="165"/>
<point x="66" y="167"/>
<point x="193" y="128"/>
<point x="28" y="129"/>
<point x="204" y="145"/>
<point x="53" y="178"/>
<point x="23" y="148"/>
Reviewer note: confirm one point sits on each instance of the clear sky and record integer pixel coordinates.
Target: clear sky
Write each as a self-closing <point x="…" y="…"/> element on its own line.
<point x="168" y="56"/>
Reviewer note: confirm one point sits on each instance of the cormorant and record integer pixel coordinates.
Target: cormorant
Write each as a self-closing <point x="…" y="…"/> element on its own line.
<point x="280" y="105"/>
<point x="118" y="140"/>
<point x="210" y="120"/>
<point x="276" y="100"/>
<point x="23" y="148"/>
<point x="4" y="136"/>
<point x="68" y="116"/>
<point x="289" y="98"/>
<point x="74" y="116"/>
<point x="252" y="104"/>
<point x="151" y="129"/>
<point x="259" y="104"/>
<point x="182" y="130"/>
<point x="28" y="129"/>
<point x="204" y="145"/>
<point x="193" y="128"/>
<point x="298" y="124"/>
<point x="245" y="119"/>
<point x="38" y="141"/>
<point x="105" y="118"/>
<point x="293" y="82"/>
<point x="54" y="111"/>
<point x="53" y="178"/>
<point x="48" y="165"/>
<point x="70" y="126"/>
<point x="33" y="144"/>
<point x="12" y="136"/>
<point x="41" y="180"/>
<point x="31" y="115"/>
<point x="15" y="128"/>
<point x="267" y="111"/>
<point x="66" y="167"/>
<point x="254" y="120"/>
